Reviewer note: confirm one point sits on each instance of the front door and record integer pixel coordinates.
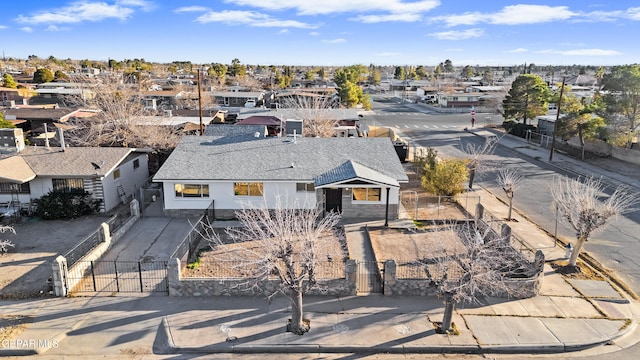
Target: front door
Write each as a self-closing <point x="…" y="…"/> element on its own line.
<point x="333" y="200"/>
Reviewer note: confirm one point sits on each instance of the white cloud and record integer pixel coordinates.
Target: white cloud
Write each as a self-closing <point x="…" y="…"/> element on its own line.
<point x="458" y="35"/>
<point x="307" y="7"/>
<point x="314" y="33"/>
<point x="283" y="31"/>
<point x="370" y="19"/>
<point x="26" y="29"/>
<point x="54" y="28"/>
<point x="510" y="15"/>
<point x="251" y="18"/>
<point x="188" y="9"/>
<point x="334" y="41"/>
<point x="2" y="27"/>
<point x="518" y="50"/>
<point x="79" y="12"/>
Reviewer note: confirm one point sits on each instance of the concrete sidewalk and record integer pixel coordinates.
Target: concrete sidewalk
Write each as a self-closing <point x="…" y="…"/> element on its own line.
<point x="568" y="315"/>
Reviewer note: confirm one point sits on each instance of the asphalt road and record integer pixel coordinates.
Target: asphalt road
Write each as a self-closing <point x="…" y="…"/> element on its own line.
<point x="617" y="246"/>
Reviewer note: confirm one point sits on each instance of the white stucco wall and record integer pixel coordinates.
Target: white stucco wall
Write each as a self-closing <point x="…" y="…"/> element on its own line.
<point x="131" y="179"/>
<point x="223" y="195"/>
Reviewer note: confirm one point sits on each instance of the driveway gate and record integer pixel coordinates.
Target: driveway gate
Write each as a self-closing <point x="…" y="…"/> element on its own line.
<point x="118" y="276"/>
<point x="370" y="277"/>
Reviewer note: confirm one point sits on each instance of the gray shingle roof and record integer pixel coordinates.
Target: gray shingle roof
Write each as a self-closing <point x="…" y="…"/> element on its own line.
<point x="195" y="158"/>
<point x="74" y="161"/>
<point x="352" y="170"/>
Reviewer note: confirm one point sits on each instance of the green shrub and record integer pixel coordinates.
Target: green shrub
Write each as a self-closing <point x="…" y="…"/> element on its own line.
<point x="446" y="178"/>
<point x="508" y="125"/>
<point x="66" y="205"/>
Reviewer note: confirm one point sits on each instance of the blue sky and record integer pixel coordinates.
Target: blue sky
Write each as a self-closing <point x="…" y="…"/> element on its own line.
<point x="326" y="32"/>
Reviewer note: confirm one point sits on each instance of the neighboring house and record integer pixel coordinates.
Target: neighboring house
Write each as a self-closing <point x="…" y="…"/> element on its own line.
<point x="59" y="93"/>
<point x="163" y="99"/>
<point x="35" y="118"/>
<point x="359" y="177"/>
<point x="109" y="174"/>
<point x="237" y="98"/>
<point x="457" y="100"/>
<point x="8" y="95"/>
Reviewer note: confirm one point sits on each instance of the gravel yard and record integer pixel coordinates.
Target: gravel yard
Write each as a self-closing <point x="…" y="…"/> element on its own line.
<point x="25" y="269"/>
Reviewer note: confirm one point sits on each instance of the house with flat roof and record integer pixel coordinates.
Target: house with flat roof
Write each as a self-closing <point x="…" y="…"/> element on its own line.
<point x="358" y="177"/>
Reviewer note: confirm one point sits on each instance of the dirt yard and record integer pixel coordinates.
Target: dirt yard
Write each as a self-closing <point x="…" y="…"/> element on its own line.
<point x="223" y="260"/>
<point x="25" y="269"/>
<point x="422" y="205"/>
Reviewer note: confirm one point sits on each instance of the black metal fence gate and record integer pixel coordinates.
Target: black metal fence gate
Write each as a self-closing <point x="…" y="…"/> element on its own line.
<point x="118" y="276"/>
<point x="370" y="277"/>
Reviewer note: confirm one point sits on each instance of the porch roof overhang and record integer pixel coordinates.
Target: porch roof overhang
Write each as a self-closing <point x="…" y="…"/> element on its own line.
<point x="16" y="170"/>
<point x="351" y="173"/>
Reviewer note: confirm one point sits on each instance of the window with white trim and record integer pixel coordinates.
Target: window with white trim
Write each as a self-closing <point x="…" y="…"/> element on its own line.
<point x="305" y="187"/>
<point x="191" y="190"/>
<point x="367" y="194"/>
<point x="248" y="188"/>
<point x="67" y="184"/>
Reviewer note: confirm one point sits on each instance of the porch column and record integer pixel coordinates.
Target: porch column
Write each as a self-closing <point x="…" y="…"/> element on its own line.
<point x="386" y="210"/>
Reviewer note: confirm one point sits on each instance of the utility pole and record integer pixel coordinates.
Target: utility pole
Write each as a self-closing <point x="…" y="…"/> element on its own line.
<point x="555" y="123"/>
<point x="200" y="103"/>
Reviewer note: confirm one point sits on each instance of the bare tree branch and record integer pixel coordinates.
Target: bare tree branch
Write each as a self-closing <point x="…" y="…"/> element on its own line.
<point x="478" y="158"/>
<point x="288" y="242"/>
<point x="4" y="243"/>
<point x="317" y="118"/>
<point x="510" y="180"/>
<point x="580" y="206"/>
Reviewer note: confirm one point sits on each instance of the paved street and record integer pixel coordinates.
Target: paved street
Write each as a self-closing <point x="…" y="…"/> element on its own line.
<point x="617" y="247"/>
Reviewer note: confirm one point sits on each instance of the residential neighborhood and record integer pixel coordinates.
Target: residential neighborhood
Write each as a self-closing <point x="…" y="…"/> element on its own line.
<point x="305" y="180"/>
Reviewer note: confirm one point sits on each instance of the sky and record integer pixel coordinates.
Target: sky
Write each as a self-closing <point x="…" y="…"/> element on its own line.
<point x="326" y="32"/>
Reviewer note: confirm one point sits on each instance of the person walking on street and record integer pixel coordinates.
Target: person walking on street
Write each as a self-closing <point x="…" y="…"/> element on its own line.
<point x="473" y="121"/>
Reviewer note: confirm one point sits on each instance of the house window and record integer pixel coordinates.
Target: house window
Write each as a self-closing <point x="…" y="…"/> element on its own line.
<point x="116" y="174"/>
<point x="67" y="184"/>
<point x="12" y="188"/>
<point x="305" y="187"/>
<point x="136" y="163"/>
<point x="191" y="190"/>
<point x="366" y="194"/>
<point x="248" y="188"/>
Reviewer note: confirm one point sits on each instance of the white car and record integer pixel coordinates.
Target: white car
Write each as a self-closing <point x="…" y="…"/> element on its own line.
<point x="250" y="104"/>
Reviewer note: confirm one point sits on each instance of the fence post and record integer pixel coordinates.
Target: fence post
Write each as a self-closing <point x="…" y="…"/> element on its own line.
<point x="140" y="276"/>
<point x="59" y="267"/>
<point x="389" y="277"/>
<point x="479" y="212"/>
<point x="173" y="277"/>
<point x="505" y="233"/>
<point x="105" y="233"/>
<point x="134" y="207"/>
<point x="93" y="277"/>
<point x="115" y="268"/>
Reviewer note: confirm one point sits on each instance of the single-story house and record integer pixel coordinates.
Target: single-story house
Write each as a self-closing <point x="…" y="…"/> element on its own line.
<point x="237" y="98"/>
<point x="109" y="174"/>
<point x="359" y="177"/>
<point x="457" y="100"/>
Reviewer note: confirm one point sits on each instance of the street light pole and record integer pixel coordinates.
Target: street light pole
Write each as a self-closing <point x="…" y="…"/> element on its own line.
<point x="200" y="103"/>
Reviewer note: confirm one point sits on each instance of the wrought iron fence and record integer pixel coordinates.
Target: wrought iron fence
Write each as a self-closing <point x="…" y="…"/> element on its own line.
<point x="118" y="276"/>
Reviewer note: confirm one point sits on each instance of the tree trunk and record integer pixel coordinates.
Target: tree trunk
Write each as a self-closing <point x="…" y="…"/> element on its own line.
<point x="297" y="324"/>
<point x="448" y="313"/>
<point x="472" y="174"/>
<point x="510" y="207"/>
<point x="576" y="250"/>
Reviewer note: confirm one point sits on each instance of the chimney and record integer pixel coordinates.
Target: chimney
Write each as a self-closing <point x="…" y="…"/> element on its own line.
<point x="62" y="147"/>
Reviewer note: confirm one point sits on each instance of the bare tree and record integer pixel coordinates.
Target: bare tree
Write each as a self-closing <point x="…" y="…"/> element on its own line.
<point x="316" y="113"/>
<point x="510" y="180"/>
<point x="478" y="158"/>
<point x="286" y="242"/>
<point x="579" y="206"/>
<point x="119" y="107"/>
<point x="4" y="243"/>
<point x="467" y="262"/>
